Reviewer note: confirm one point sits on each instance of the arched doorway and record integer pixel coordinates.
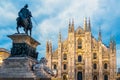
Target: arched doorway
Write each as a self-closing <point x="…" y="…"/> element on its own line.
<point x="105" y="77"/>
<point x="79" y="76"/>
<point x="64" y="77"/>
<point x="95" y="77"/>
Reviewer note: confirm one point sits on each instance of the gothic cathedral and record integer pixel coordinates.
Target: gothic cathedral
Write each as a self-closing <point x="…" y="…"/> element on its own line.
<point x="81" y="56"/>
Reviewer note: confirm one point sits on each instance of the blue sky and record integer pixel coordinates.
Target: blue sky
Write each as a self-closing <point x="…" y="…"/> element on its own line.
<point x="53" y="16"/>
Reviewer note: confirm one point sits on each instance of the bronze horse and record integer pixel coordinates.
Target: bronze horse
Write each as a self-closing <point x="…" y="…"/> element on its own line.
<point x="25" y="24"/>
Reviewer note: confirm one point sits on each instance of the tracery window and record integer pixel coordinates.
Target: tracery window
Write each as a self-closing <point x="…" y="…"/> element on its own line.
<point x="79" y="43"/>
<point x="94" y="56"/>
<point x="64" y="56"/>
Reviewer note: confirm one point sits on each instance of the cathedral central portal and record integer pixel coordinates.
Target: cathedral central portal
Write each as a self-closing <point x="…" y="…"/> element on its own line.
<point x="79" y="76"/>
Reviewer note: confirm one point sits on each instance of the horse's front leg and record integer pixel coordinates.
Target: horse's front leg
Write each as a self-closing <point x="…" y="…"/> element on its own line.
<point x="30" y="32"/>
<point x="18" y="29"/>
<point x="26" y="31"/>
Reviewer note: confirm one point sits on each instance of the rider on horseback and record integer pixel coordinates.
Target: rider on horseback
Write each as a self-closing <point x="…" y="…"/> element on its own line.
<point x="24" y="13"/>
<point x="24" y="19"/>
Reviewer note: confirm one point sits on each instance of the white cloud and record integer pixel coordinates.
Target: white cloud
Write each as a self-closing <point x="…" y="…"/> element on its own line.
<point x="59" y="12"/>
<point x="7" y="12"/>
<point x="47" y="7"/>
<point x="74" y="9"/>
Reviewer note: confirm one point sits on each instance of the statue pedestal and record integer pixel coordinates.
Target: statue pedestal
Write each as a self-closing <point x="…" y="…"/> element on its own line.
<point x="17" y="68"/>
<point x="23" y="45"/>
<point x="23" y="56"/>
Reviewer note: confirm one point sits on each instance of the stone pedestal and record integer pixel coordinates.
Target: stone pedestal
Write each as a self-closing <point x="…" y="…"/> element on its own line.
<point x="17" y="68"/>
<point x="23" y="56"/>
<point x="23" y="45"/>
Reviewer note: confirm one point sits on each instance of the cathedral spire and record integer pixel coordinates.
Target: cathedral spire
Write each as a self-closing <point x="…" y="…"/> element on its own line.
<point x="99" y="35"/>
<point x="69" y="23"/>
<point x="50" y="46"/>
<point x="112" y="42"/>
<point x="69" y="26"/>
<point x="59" y="37"/>
<point x="72" y="25"/>
<point x="85" y="24"/>
<point x="89" y="25"/>
<point x="111" y="39"/>
<point x="47" y="46"/>
<point x="72" y="22"/>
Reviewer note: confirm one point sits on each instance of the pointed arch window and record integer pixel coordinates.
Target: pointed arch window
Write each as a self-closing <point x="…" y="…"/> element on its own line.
<point x="105" y="66"/>
<point x="55" y="66"/>
<point x="94" y="56"/>
<point x="94" y="66"/>
<point x="79" y="58"/>
<point x="64" y="56"/>
<point x="95" y="77"/>
<point x="79" y="43"/>
<point x="64" y="66"/>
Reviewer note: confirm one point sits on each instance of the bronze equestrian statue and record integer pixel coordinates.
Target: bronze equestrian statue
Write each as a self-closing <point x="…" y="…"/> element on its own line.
<point x="24" y="20"/>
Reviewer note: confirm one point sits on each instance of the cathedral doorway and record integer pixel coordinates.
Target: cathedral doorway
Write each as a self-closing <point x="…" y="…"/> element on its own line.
<point x="64" y="77"/>
<point x="95" y="77"/>
<point x="105" y="77"/>
<point x="79" y="76"/>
